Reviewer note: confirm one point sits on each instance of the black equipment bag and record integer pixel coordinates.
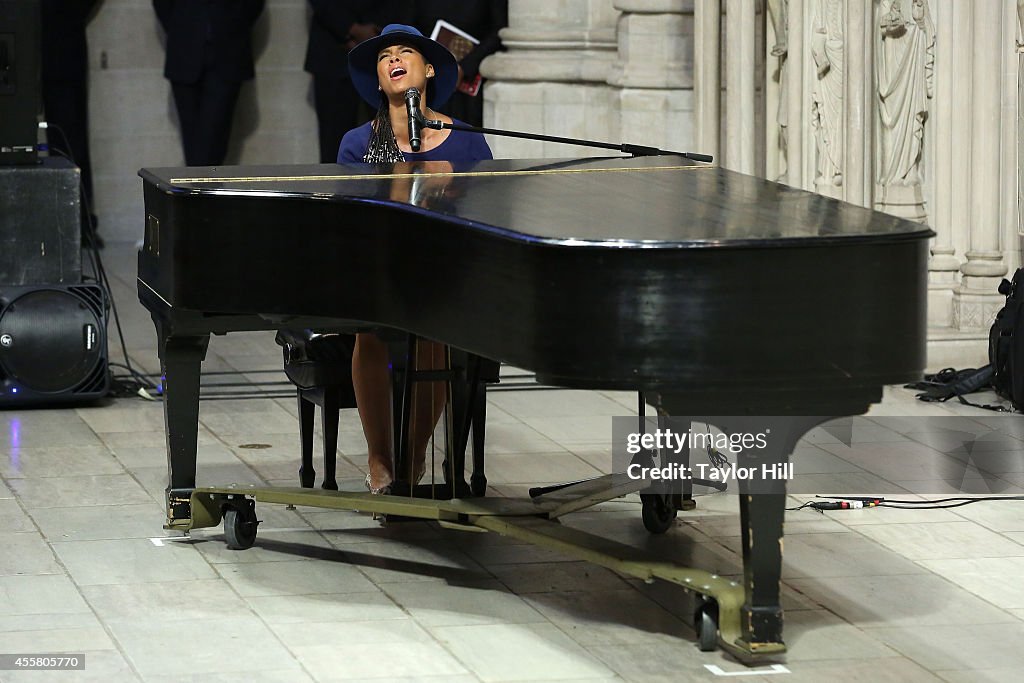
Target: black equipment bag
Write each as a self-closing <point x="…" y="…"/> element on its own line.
<point x="1006" y="342"/>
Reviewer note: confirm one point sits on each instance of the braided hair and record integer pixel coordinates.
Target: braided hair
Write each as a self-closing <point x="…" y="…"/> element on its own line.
<point x="383" y="148"/>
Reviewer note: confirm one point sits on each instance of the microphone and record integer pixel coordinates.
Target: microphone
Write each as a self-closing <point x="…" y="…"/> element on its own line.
<point x="412" y="105"/>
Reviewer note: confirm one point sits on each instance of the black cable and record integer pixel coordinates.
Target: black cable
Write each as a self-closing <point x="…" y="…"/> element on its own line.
<point x="99" y="271"/>
<point x="858" y="502"/>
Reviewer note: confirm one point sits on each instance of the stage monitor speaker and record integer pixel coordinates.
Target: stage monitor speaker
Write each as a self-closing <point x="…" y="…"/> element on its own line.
<point x="53" y="344"/>
<point x="20" y="93"/>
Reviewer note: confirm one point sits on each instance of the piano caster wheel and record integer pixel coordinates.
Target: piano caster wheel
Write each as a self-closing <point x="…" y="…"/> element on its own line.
<point x="657" y="512"/>
<point x="240" y="526"/>
<point x="705" y="621"/>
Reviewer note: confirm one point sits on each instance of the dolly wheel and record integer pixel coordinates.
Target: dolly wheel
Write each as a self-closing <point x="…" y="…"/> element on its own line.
<point x="705" y="621"/>
<point x="240" y="527"/>
<point x="657" y="512"/>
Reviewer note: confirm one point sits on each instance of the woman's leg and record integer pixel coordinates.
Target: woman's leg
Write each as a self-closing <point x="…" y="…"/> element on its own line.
<point x="371" y="380"/>
<point x="428" y="403"/>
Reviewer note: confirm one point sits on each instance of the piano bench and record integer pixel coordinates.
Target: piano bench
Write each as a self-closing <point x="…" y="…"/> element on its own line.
<point x="320" y="367"/>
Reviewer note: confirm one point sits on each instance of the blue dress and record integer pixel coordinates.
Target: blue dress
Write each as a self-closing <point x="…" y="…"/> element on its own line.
<point x="458" y="146"/>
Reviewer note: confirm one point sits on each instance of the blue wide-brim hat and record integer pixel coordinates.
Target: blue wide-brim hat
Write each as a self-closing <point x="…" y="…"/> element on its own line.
<point x="362" y="64"/>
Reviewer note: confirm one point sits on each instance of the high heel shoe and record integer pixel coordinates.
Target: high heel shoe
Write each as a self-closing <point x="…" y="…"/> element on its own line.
<point x="381" y="491"/>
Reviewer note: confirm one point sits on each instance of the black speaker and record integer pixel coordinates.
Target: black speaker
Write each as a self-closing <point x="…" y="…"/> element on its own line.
<point x="53" y="344"/>
<point x="20" y="96"/>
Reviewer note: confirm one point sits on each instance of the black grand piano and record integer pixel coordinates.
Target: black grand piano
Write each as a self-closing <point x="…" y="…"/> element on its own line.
<point x="712" y="292"/>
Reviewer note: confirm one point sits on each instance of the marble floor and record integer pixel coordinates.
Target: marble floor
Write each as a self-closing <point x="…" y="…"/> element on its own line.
<point x="85" y="567"/>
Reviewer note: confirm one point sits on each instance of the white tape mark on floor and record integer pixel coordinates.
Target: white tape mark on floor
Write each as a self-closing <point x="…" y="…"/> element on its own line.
<point x="769" y="671"/>
<point x="161" y="540"/>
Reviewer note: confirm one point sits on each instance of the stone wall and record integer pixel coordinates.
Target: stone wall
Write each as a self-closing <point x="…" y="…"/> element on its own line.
<point x="133" y="122"/>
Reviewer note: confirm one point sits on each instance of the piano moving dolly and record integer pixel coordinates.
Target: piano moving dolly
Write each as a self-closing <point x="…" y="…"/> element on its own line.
<point x="532" y="520"/>
<point x="658" y="512"/>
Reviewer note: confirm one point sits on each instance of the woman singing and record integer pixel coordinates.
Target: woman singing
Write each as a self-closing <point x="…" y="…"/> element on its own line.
<point x="383" y="69"/>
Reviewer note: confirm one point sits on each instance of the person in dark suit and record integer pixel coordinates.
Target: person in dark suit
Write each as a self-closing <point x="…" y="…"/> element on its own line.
<point x="65" y="69"/>
<point x="336" y="27"/>
<point x="209" y="56"/>
<point x="481" y="19"/>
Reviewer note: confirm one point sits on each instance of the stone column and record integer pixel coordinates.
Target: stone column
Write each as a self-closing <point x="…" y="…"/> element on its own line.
<point x="654" y="73"/>
<point x="976" y="301"/>
<point x="552" y="78"/>
<point x="740" y="95"/>
<point x="946" y="166"/>
<point x="1020" y="119"/>
<point x="859" y="106"/>
<point x="775" y="127"/>
<point x="796" y="61"/>
<point x="707" y="65"/>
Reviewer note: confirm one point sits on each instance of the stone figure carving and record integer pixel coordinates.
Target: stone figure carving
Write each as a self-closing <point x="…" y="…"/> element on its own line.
<point x="905" y="68"/>
<point x="827" y="116"/>
<point x="1020" y="25"/>
<point x="777" y="10"/>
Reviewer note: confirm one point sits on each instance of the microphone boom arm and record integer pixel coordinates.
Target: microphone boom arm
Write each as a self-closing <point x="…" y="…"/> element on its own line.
<point x="625" y="148"/>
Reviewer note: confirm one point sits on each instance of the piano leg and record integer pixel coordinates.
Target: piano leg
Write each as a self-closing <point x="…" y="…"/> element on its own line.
<point x="762" y="515"/>
<point x="181" y="359"/>
<point x="761" y="518"/>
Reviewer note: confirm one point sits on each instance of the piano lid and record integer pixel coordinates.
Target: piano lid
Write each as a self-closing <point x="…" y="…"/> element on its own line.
<point x="645" y="202"/>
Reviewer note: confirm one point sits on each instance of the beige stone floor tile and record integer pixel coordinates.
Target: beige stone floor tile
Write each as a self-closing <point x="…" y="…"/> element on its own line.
<point x="613" y="617"/>
<point x="658" y="662"/>
<point x="55" y="640"/>
<point x="942" y="540"/>
<point x="43" y="594"/>
<point x="117" y="441"/>
<point x="197" y="600"/>
<point x="483" y="602"/>
<point x="381" y="660"/>
<point x="403" y="631"/>
<point x="874" y="670"/>
<point x="844" y="484"/>
<point x="537" y="468"/>
<point x="12" y="518"/>
<point x="548" y="577"/>
<point x="125" y="416"/>
<point x="230" y="644"/>
<point x="49" y="428"/>
<point x="83" y="490"/>
<point x="101" y="666"/>
<point x="531" y="652"/>
<point x="517" y="438"/>
<point x="1005" y="675"/>
<point x="416" y="560"/>
<point x="278" y="676"/>
<point x="126" y="561"/>
<point x="996" y="580"/>
<point x="1003" y="485"/>
<point x="819" y="634"/>
<point x="26" y="553"/>
<point x="975" y="646"/>
<point x="837" y="555"/>
<point x="58" y="461"/>
<point x="297" y="577"/>
<point x="903" y="601"/>
<point x="556" y="403"/>
<point x="100" y="522"/>
<point x="325" y="607"/>
<point x="571" y="432"/>
<point x="1002" y="516"/>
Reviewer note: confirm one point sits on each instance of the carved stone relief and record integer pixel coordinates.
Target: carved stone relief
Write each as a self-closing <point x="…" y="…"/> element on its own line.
<point x="777" y="11"/>
<point x="904" y="70"/>
<point x="827" y="114"/>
